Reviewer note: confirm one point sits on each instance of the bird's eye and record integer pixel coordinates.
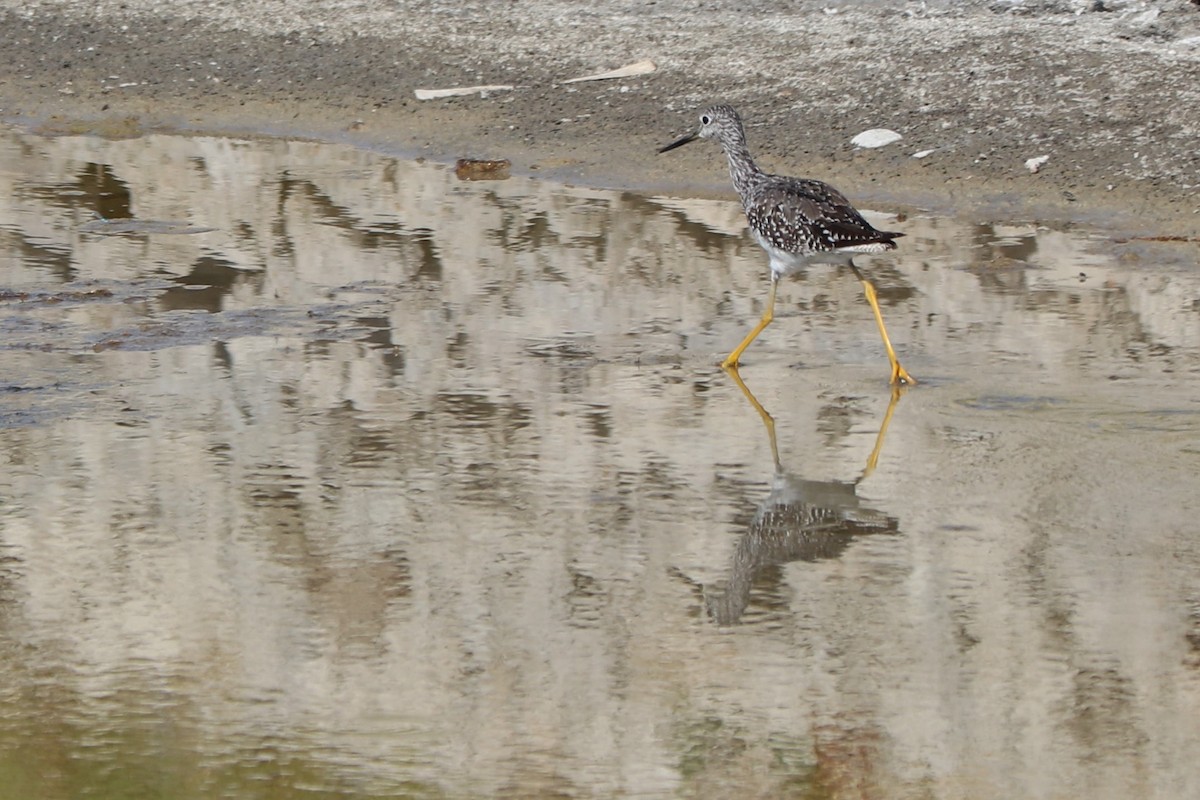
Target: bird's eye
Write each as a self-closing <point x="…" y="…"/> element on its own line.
<point x="705" y="119"/>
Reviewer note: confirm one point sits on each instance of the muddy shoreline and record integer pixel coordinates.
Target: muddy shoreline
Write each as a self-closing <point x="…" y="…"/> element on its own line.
<point x="1112" y="96"/>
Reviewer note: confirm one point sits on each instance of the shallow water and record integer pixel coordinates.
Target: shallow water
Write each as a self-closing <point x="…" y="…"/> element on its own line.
<point x="397" y="486"/>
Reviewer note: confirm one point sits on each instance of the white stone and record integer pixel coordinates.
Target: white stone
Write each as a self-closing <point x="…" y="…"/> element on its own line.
<point x="1034" y="164"/>
<point x="875" y="137"/>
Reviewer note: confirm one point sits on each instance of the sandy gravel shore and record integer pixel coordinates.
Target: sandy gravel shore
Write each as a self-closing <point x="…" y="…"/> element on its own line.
<point x="1109" y="90"/>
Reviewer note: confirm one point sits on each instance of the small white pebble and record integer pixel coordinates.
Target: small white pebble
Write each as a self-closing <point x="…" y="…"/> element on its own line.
<point x="875" y="137"/>
<point x="1034" y="164"/>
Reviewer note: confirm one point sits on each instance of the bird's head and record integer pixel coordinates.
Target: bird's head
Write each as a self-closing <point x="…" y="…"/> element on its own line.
<point x="720" y="122"/>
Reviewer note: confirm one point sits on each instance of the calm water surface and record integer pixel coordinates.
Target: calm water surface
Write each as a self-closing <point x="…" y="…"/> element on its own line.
<point x="397" y="486"/>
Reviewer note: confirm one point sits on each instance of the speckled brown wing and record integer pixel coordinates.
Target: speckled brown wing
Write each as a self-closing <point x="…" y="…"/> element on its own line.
<point x="807" y="216"/>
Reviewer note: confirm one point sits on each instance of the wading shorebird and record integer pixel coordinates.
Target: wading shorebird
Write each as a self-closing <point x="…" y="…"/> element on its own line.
<point x="798" y="221"/>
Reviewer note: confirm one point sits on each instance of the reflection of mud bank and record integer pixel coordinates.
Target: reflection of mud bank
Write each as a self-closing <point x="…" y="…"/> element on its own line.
<point x="1113" y="98"/>
<point x="294" y="219"/>
<point x="288" y="213"/>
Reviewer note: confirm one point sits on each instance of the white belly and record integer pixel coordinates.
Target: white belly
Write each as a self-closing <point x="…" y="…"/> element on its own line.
<point x="784" y="263"/>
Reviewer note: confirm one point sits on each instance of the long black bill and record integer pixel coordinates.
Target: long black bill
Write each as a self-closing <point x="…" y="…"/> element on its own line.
<point x="691" y="137"/>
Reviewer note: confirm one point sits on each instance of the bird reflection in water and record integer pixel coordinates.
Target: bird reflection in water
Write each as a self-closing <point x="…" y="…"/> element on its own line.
<point x="800" y="520"/>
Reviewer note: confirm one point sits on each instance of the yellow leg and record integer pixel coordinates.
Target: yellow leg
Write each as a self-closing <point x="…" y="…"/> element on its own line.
<point x="899" y="374"/>
<point x="769" y="314"/>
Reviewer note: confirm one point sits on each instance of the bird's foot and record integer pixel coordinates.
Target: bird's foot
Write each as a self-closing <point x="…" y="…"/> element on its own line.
<point x="900" y="376"/>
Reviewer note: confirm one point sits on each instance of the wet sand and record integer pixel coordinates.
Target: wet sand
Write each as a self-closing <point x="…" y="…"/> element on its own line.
<point x="1111" y="96"/>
